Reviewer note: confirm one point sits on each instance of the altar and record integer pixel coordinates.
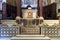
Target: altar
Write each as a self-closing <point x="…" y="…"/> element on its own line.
<point x="30" y="37"/>
<point x="29" y="29"/>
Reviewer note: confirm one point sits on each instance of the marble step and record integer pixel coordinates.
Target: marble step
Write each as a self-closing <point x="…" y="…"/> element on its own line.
<point x="30" y="37"/>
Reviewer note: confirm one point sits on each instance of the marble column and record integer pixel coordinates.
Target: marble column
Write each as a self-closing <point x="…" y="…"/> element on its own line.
<point x="4" y="9"/>
<point x="49" y="2"/>
<point x="18" y="2"/>
<point x="41" y="13"/>
<point x="41" y="7"/>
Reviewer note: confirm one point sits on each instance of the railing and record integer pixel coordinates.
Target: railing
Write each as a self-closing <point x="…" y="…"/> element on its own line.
<point x="50" y="31"/>
<point x="9" y="31"/>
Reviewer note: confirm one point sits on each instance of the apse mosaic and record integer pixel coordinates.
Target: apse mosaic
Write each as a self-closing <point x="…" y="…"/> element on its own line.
<point x="33" y="3"/>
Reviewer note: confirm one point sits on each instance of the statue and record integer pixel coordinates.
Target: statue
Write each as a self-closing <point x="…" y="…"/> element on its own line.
<point x="18" y="19"/>
<point x="41" y="19"/>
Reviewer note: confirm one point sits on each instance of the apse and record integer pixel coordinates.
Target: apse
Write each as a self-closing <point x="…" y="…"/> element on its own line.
<point x="3" y="0"/>
<point x="25" y="3"/>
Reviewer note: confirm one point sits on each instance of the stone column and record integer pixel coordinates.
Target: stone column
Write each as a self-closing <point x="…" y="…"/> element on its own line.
<point x="4" y="10"/>
<point x="49" y="2"/>
<point x="41" y="7"/>
<point x="18" y="2"/>
<point x="41" y="13"/>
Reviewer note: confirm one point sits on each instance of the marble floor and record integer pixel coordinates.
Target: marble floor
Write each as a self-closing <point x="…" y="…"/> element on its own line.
<point x="4" y="38"/>
<point x="8" y="38"/>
